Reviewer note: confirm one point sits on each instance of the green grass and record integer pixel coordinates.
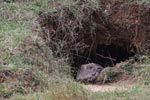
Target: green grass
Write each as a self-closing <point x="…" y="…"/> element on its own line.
<point x="13" y="30"/>
<point x="72" y="91"/>
<point x="16" y="23"/>
<point x="62" y="90"/>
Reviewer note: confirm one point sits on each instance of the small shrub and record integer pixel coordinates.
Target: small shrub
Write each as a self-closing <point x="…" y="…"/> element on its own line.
<point x="128" y="68"/>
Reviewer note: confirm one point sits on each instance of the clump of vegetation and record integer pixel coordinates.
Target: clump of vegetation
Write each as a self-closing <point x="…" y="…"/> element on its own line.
<point x="65" y="28"/>
<point x="22" y="81"/>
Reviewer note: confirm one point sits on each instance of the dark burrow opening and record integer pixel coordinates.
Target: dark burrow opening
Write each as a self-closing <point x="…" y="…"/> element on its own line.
<point x="105" y="55"/>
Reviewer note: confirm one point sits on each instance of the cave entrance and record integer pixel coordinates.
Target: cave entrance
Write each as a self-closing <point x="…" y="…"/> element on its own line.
<point x="109" y="55"/>
<point x="105" y="55"/>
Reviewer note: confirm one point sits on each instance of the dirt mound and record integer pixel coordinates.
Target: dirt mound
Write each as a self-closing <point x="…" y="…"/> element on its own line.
<point x="130" y="21"/>
<point x="105" y="34"/>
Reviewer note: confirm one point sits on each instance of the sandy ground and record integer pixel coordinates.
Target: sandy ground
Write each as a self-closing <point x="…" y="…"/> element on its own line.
<point x="104" y="88"/>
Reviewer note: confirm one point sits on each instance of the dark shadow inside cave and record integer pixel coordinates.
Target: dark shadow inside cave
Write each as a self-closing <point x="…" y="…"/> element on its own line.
<point x="105" y="55"/>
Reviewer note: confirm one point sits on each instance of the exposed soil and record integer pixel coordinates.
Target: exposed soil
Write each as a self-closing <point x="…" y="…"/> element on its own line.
<point x="107" y="35"/>
<point x="105" y="88"/>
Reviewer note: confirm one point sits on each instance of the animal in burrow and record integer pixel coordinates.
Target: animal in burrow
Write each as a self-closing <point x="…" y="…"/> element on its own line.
<point x="88" y="72"/>
<point x="107" y="74"/>
<point x="103" y="75"/>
